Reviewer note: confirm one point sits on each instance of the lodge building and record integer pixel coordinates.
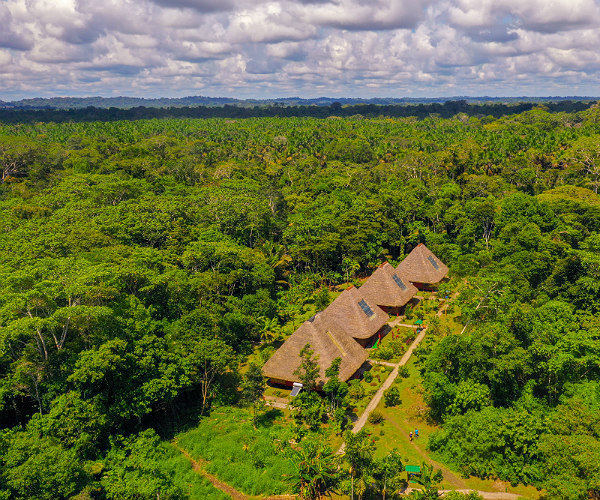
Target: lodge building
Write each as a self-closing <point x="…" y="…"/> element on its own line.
<point x="356" y="318"/>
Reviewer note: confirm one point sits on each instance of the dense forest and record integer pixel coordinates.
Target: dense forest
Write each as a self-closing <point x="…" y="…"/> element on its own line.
<point x="128" y="111"/>
<point x="163" y="102"/>
<point x="144" y="261"/>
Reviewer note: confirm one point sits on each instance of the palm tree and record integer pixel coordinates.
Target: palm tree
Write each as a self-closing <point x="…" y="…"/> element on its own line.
<point x="270" y="329"/>
<point x="359" y="454"/>
<point x="429" y="479"/>
<point x="318" y="469"/>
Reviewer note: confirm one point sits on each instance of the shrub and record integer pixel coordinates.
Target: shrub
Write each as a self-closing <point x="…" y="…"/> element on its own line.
<point x="403" y="372"/>
<point x="384" y="353"/>
<point x="392" y="397"/>
<point x="356" y="391"/>
<point x="375" y="418"/>
<point x="368" y="376"/>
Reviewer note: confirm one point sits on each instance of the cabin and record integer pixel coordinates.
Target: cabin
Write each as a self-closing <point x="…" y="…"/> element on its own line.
<point x="389" y="288"/>
<point x="422" y="268"/>
<point x="357" y="315"/>
<point x="328" y="340"/>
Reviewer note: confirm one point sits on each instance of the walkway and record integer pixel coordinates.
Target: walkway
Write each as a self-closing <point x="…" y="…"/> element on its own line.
<point x="362" y="420"/>
<point x="487" y="495"/>
<point x="276" y="402"/>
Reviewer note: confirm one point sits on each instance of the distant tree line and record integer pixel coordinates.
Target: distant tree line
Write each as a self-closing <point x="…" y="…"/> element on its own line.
<point x="444" y="110"/>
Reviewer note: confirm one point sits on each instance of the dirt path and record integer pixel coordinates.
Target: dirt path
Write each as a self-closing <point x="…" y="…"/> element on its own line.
<point x="396" y="322"/>
<point x="276" y="402"/>
<point x="199" y="467"/>
<point x="487" y="495"/>
<point x="378" y="362"/>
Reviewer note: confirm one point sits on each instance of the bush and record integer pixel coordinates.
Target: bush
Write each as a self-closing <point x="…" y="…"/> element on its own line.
<point x="403" y="372"/>
<point x="392" y="397"/>
<point x="375" y="418"/>
<point x="356" y="390"/>
<point x="368" y="376"/>
<point x="384" y="353"/>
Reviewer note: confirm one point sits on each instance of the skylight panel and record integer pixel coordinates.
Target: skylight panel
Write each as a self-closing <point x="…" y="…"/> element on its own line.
<point x="399" y="282"/>
<point x="433" y="262"/>
<point x="365" y="307"/>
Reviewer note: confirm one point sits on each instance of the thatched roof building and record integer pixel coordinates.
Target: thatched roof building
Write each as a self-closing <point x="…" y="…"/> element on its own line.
<point x="422" y="266"/>
<point x="354" y="317"/>
<point x="387" y="287"/>
<point x="327" y="340"/>
<point x="356" y="314"/>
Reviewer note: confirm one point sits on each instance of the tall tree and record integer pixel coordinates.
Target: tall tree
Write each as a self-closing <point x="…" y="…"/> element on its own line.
<point x="253" y="387"/>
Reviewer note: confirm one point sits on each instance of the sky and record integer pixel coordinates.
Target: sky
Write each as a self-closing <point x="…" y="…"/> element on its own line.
<point x="307" y="48"/>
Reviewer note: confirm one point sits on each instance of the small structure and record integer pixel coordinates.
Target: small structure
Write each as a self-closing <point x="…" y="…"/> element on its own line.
<point x="357" y="315"/>
<point x="296" y="388"/>
<point x="388" y="288"/>
<point x="412" y="472"/>
<point x="422" y="268"/>
<point x="328" y="341"/>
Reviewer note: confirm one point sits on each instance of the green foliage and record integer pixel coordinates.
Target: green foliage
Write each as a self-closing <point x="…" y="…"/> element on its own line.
<point x="322" y="299"/>
<point x="318" y="468"/>
<point x="358" y="452"/>
<point x="253" y="387"/>
<point x="429" y="479"/>
<point x="471" y="441"/>
<point x="253" y="460"/>
<point x="143" y="260"/>
<point x="469" y="395"/>
<point x="308" y="371"/>
<point x="375" y="417"/>
<point x="38" y="467"/>
<point x="337" y="394"/>
<point x="391" y="397"/>
<point x="144" y="467"/>
<point x="387" y="473"/>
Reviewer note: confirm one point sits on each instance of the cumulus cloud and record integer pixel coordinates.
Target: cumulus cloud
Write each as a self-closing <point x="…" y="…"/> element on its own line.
<point x="369" y="15"/>
<point x="255" y="48"/>
<point x="201" y="5"/>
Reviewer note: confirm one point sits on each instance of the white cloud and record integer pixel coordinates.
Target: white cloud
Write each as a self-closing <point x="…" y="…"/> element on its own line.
<point x="312" y="47"/>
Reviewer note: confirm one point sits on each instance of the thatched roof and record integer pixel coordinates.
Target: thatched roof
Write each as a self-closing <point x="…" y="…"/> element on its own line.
<point x="422" y="266"/>
<point x="328" y="342"/>
<point x="356" y="314"/>
<point x="388" y="287"/>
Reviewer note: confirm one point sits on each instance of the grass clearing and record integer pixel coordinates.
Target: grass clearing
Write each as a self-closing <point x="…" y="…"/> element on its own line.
<point x="363" y="389"/>
<point x="193" y="484"/>
<point x="254" y="461"/>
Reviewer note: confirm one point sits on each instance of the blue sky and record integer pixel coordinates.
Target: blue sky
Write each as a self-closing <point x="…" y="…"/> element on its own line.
<point x="308" y="48"/>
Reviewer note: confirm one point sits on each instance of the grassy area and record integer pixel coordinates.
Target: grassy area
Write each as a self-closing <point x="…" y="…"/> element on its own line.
<point x="363" y="389"/>
<point x="277" y="391"/>
<point x="412" y="414"/>
<point x="255" y="461"/>
<point x="193" y="484"/>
